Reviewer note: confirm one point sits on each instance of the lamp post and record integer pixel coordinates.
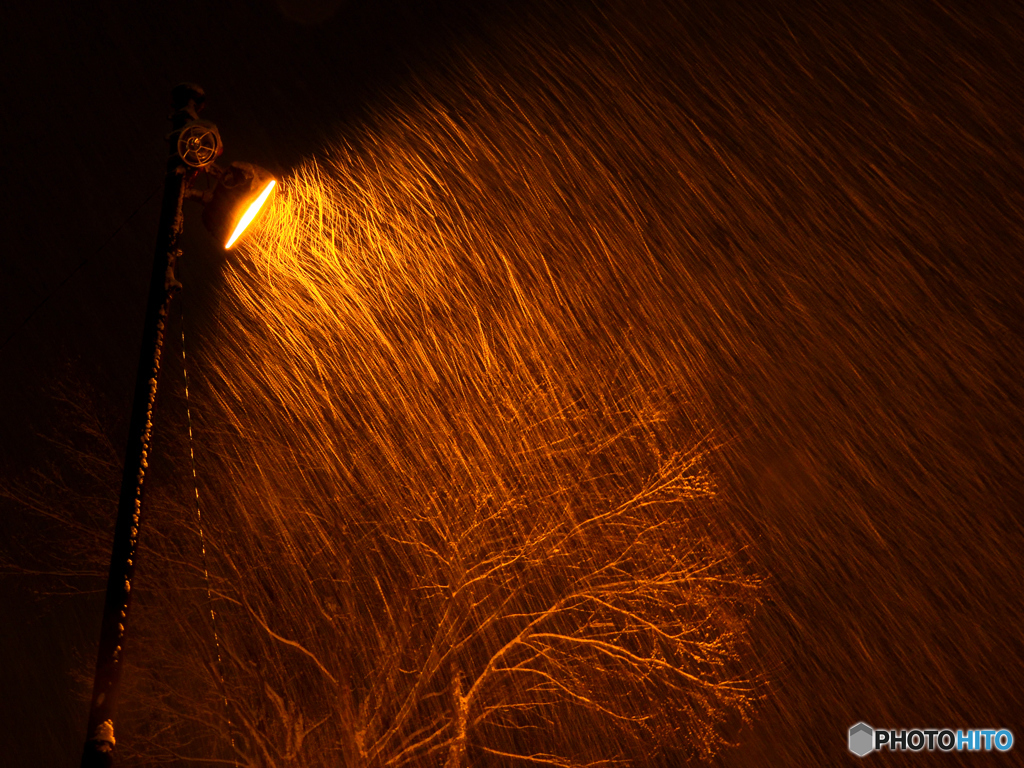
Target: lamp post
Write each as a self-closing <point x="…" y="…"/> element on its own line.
<point x="241" y="189"/>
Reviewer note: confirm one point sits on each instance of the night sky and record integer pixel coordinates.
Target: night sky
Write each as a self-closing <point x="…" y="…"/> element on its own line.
<point x="858" y="330"/>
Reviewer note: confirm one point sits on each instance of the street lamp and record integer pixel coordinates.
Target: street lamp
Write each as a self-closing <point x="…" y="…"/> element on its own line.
<point x="238" y="194"/>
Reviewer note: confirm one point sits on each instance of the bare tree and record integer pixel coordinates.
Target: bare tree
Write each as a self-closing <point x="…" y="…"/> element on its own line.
<point x="617" y="621"/>
<point x="502" y="630"/>
<point x="469" y="630"/>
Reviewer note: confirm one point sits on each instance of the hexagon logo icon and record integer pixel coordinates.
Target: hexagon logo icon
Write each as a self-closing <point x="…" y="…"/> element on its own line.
<point x="862" y="738"/>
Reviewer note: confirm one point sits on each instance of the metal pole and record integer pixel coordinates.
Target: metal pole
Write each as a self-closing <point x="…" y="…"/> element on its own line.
<point x="186" y="99"/>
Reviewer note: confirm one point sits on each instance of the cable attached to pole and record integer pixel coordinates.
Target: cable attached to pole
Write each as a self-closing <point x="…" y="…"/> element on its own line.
<point x="199" y="526"/>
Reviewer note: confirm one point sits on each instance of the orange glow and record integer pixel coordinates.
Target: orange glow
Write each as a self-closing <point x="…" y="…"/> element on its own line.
<point x="250" y="213"/>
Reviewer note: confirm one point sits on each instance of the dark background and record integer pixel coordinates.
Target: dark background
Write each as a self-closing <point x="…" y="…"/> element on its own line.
<point x="894" y="565"/>
<point x="86" y="94"/>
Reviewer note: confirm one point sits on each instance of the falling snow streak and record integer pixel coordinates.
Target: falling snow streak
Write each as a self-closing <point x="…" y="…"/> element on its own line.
<point x="464" y="509"/>
<point x="488" y="518"/>
<point x="629" y="382"/>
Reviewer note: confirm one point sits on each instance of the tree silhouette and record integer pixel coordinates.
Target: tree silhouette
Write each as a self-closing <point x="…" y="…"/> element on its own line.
<point x="590" y="624"/>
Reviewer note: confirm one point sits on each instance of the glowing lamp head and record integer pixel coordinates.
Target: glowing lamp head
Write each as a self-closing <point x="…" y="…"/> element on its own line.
<point x="240" y="194"/>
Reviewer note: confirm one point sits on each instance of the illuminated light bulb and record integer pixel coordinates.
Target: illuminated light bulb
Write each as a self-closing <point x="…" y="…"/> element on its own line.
<point x="242" y="190"/>
<point x="250" y="213"/>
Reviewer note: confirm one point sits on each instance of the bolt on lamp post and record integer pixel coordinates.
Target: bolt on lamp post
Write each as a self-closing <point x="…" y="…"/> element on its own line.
<point x="240" y="191"/>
